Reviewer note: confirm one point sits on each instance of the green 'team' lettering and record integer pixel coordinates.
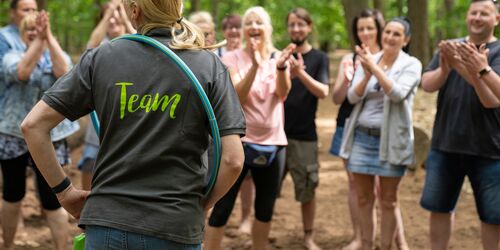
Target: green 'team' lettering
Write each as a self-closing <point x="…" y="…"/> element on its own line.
<point x="175" y="99"/>
<point x="130" y="103"/>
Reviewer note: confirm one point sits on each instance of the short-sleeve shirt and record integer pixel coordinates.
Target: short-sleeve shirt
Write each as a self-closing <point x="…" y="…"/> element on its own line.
<point x="10" y="40"/>
<point x="20" y="96"/>
<point x="264" y="111"/>
<point x="149" y="176"/>
<point x="301" y="104"/>
<point x="463" y="125"/>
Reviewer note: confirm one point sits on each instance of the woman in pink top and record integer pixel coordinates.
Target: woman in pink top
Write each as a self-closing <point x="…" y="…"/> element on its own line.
<point x="262" y="81"/>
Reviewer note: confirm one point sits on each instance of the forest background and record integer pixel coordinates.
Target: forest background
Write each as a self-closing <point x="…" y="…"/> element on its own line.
<point x="433" y="20"/>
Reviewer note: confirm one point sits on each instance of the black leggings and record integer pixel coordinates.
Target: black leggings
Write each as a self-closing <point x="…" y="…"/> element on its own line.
<point x="14" y="182"/>
<point x="267" y="181"/>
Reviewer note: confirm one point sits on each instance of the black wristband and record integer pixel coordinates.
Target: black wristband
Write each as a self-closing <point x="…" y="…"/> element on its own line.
<point x="282" y="68"/>
<point x="61" y="186"/>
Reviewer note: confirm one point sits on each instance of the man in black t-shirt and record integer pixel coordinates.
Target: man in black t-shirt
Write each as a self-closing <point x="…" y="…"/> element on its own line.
<point x="466" y="134"/>
<point x="309" y="72"/>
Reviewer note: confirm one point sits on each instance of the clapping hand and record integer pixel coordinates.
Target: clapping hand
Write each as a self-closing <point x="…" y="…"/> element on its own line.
<point x="296" y="65"/>
<point x="43" y="25"/>
<point x="254" y="51"/>
<point x="285" y="55"/>
<point x="474" y="59"/>
<point x="366" y="59"/>
<point x="450" y="58"/>
<point x="112" y="10"/>
<point x="348" y="68"/>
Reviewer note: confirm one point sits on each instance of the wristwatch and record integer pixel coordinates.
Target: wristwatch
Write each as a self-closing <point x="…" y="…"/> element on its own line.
<point x="484" y="71"/>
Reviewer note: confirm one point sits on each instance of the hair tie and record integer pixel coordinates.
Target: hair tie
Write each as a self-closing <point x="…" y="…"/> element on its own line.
<point x="180" y="19"/>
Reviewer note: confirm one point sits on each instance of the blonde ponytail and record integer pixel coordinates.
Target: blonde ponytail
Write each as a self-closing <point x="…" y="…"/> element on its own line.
<point x="166" y="14"/>
<point x="188" y="36"/>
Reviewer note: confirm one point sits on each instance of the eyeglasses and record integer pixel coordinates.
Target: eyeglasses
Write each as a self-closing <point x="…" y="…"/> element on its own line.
<point x="231" y="27"/>
<point x="299" y="25"/>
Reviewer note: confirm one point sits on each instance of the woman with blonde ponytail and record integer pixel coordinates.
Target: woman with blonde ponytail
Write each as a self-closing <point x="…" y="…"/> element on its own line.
<point x="149" y="175"/>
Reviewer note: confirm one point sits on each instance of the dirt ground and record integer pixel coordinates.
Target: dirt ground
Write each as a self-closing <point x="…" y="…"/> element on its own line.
<point x="333" y="226"/>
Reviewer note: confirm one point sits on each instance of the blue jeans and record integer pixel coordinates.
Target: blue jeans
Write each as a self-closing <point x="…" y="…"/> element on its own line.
<point x="445" y="176"/>
<point x="337" y="141"/>
<point x="105" y="238"/>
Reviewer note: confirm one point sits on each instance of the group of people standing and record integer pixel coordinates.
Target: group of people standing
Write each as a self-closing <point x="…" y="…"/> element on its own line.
<point x="31" y="61"/>
<point x="375" y="87"/>
<point x="150" y="167"/>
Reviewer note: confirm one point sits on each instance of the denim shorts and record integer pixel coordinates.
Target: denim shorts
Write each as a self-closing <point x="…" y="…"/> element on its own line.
<point x="105" y="238"/>
<point x="336" y="141"/>
<point x="445" y="174"/>
<point x="364" y="158"/>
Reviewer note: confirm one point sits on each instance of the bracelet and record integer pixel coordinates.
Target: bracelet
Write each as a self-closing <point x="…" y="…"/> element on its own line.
<point x="61" y="186"/>
<point x="282" y="68"/>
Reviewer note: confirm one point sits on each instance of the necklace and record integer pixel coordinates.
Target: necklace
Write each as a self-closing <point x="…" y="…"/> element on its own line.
<point x="385" y="66"/>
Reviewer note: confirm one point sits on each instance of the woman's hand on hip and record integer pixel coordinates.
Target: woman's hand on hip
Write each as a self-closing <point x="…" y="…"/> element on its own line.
<point x="73" y="200"/>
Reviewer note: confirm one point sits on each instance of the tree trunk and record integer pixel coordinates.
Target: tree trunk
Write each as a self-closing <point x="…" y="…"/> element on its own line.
<point x="417" y="12"/>
<point x="448" y="5"/>
<point x="400" y="5"/>
<point x="42" y="4"/>
<point x="379" y="5"/>
<point x="195" y="6"/>
<point x="215" y="9"/>
<point x="440" y="31"/>
<point x="352" y="9"/>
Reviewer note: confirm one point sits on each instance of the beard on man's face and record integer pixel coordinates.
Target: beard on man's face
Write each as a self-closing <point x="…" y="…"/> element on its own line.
<point x="298" y="41"/>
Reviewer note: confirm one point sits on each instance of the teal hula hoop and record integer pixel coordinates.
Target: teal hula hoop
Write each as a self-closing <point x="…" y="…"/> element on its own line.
<point x="214" y="128"/>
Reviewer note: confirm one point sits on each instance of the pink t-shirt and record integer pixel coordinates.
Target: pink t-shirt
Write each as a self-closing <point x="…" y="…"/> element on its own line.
<point x="264" y="110"/>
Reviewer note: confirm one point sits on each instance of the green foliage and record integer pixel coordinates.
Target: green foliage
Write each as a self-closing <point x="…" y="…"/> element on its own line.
<point x="73" y="21"/>
<point x="328" y="18"/>
<point x="4" y="12"/>
<point x="447" y="25"/>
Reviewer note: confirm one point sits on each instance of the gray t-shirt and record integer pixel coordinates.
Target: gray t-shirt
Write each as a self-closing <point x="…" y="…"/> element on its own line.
<point x="148" y="176"/>
<point x="372" y="114"/>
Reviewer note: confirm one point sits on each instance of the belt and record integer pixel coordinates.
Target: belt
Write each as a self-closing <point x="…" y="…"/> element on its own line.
<point x="369" y="131"/>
